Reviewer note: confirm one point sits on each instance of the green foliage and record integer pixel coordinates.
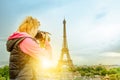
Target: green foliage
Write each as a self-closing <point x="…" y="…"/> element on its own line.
<point x="82" y="73"/>
<point x="4" y="73"/>
<point x="99" y="68"/>
<point x="2" y="78"/>
<point x="103" y="72"/>
<point x="91" y="71"/>
<point x="112" y="77"/>
<point x="112" y="71"/>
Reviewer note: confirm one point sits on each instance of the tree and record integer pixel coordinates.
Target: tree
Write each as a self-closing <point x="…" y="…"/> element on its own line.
<point x="103" y="72"/>
<point x="4" y="73"/>
<point x="112" y="77"/>
<point x="112" y="71"/>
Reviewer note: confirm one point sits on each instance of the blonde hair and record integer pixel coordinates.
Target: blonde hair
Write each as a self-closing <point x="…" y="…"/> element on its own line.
<point x="28" y="25"/>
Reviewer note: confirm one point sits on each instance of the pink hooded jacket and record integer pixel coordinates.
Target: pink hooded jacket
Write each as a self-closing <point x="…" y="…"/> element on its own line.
<point x="31" y="47"/>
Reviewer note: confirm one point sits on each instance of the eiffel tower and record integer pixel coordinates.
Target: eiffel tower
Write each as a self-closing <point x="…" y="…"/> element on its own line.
<point x="65" y="56"/>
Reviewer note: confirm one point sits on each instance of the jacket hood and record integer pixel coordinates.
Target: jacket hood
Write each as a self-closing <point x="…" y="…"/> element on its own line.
<point x="15" y="39"/>
<point x="18" y="35"/>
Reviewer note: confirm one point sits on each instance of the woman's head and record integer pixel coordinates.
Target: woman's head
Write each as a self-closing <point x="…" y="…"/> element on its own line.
<point x="30" y="25"/>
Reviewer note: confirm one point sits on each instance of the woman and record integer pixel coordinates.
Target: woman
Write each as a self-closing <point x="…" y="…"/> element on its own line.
<point x="25" y="52"/>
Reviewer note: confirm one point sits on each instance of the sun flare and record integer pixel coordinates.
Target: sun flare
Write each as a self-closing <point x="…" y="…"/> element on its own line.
<point x="47" y="63"/>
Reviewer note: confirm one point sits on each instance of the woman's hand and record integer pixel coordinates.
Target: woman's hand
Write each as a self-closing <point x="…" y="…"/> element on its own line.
<point x="47" y="38"/>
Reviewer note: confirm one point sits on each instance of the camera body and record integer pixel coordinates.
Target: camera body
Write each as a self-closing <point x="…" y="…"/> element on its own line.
<point x="42" y="36"/>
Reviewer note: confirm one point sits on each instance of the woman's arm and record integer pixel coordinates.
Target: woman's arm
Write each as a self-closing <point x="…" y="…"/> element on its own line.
<point x="30" y="47"/>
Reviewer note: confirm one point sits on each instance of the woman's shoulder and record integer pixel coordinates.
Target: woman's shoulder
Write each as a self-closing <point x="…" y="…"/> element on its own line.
<point x="29" y="40"/>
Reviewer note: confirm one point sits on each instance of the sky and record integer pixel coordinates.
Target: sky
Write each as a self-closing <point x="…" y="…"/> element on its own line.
<point x="93" y="27"/>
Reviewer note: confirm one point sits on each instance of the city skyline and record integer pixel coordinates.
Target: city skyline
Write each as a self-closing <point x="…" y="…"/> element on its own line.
<point x="93" y="28"/>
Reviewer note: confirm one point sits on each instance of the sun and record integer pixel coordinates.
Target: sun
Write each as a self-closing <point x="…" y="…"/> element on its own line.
<point x="46" y="63"/>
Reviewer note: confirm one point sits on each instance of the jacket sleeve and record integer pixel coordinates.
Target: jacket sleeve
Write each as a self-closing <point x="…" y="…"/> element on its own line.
<point x="30" y="47"/>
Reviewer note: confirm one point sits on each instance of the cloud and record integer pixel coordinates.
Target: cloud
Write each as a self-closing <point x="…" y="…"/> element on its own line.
<point x="109" y="58"/>
<point x="111" y="54"/>
<point x="101" y="15"/>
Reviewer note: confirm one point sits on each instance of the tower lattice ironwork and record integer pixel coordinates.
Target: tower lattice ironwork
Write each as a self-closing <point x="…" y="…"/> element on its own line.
<point x="65" y="56"/>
